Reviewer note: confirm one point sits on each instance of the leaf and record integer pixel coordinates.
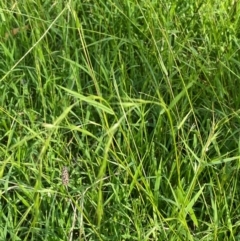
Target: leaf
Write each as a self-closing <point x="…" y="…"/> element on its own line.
<point x="89" y="100"/>
<point x="189" y="208"/>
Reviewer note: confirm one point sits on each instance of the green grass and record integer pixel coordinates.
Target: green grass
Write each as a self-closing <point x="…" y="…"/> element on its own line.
<point x="139" y="100"/>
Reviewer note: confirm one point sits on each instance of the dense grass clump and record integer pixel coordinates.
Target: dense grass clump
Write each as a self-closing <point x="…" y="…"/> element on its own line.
<point x="119" y="120"/>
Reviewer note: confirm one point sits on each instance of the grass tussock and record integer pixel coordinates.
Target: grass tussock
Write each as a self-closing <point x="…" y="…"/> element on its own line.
<point x="119" y="120"/>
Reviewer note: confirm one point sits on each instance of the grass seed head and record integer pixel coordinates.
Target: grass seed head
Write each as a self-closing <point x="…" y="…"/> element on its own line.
<point x="65" y="176"/>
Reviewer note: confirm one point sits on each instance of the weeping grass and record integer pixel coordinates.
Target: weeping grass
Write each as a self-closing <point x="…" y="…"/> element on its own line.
<point x="119" y="120"/>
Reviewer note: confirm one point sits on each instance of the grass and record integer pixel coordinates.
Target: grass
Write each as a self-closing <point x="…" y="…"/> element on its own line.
<point x="138" y="101"/>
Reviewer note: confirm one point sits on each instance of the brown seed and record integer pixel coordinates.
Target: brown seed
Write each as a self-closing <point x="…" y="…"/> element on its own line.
<point x="65" y="176"/>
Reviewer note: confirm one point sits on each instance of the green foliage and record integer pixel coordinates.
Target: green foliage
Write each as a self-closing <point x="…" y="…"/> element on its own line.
<point x="138" y="102"/>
